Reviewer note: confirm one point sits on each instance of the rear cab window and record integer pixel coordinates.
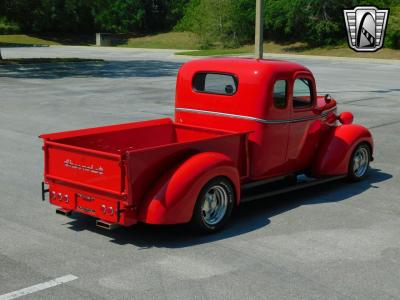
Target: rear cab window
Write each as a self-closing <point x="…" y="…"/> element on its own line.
<point x="215" y="83"/>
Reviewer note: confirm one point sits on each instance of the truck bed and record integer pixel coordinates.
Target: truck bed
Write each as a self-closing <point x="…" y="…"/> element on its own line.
<point x="139" y="135"/>
<point x="123" y="161"/>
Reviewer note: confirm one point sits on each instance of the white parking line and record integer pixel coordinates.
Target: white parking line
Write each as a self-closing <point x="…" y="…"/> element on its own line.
<point x="38" y="287"/>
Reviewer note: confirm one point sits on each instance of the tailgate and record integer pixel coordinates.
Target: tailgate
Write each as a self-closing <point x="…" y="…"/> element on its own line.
<point x="84" y="167"/>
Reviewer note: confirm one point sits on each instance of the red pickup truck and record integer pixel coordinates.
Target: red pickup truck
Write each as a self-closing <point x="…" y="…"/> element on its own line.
<point x="239" y="125"/>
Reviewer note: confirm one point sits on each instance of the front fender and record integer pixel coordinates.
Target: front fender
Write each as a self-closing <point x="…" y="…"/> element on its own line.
<point x="334" y="155"/>
<point x="173" y="197"/>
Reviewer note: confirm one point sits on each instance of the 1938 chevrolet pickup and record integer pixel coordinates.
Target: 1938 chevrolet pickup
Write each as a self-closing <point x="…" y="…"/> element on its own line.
<point x="239" y="125"/>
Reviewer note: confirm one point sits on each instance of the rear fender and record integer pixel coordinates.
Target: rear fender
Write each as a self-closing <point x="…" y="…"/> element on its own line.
<point x="335" y="152"/>
<point x="173" y="197"/>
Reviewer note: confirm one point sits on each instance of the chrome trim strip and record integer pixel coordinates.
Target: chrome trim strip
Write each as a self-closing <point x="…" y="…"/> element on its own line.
<point x="207" y="112"/>
<point x="215" y="113"/>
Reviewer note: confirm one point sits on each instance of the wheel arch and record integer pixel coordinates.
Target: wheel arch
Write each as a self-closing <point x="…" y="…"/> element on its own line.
<point x="173" y="197"/>
<point x="334" y="154"/>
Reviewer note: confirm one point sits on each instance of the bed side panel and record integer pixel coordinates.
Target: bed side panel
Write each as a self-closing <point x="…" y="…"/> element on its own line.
<point x="147" y="166"/>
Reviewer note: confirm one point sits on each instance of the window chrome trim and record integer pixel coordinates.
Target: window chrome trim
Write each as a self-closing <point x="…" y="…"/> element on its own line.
<point x="263" y="121"/>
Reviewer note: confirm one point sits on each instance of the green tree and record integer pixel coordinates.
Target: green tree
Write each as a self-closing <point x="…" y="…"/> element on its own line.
<point x="393" y="33"/>
<point x="175" y="10"/>
<point x="320" y="23"/>
<point x="87" y="16"/>
<point x="229" y="23"/>
<point x="219" y="21"/>
<point x="125" y="16"/>
<point x="120" y="16"/>
<point x="313" y="21"/>
<point x="51" y="15"/>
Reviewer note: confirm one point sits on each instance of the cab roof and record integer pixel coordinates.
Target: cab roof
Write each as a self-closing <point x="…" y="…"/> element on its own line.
<point x="242" y="66"/>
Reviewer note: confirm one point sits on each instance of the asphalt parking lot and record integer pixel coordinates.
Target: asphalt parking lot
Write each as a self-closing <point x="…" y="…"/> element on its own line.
<point x="335" y="241"/>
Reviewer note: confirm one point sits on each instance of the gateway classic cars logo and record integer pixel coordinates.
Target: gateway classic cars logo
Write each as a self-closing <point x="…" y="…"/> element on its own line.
<point x="366" y="26"/>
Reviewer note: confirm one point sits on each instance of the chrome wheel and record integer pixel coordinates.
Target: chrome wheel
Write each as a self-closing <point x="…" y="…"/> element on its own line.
<point x="215" y="205"/>
<point x="360" y="161"/>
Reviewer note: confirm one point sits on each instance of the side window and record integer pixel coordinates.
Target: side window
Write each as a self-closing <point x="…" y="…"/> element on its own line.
<point x="302" y="93"/>
<point x="215" y="83"/>
<point x="280" y="94"/>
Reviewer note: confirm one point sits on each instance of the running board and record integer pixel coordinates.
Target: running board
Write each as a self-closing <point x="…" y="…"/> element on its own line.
<point x="290" y="188"/>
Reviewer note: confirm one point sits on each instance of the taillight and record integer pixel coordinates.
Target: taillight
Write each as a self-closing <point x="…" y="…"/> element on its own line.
<point x="107" y="210"/>
<point x="59" y="196"/>
<point x="110" y="211"/>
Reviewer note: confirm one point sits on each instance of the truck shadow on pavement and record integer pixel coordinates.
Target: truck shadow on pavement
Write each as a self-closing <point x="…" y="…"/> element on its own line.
<point x="247" y="218"/>
<point x="91" y="69"/>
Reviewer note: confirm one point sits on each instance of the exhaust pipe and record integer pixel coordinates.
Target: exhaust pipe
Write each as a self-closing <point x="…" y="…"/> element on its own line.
<point x="64" y="212"/>
<point x="106" y="225"/>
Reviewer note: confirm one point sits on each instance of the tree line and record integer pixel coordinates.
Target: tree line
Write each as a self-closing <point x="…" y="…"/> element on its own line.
<point x="88" y="16"/>
<point x="229" y="23"/>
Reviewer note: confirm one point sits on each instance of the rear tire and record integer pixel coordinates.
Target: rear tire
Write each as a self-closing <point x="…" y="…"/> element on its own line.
<point x="359" y="163"/>
<point x="213" y="206"/>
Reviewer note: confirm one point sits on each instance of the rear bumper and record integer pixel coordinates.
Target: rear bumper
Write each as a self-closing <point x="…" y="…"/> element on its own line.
<point x="99" y="205"/>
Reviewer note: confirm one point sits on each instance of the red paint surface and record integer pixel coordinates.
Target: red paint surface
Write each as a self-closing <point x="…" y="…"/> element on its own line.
<point x="153" y="171"/>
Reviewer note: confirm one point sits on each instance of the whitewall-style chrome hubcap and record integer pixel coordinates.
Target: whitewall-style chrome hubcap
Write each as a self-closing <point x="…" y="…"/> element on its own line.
<point x="215" y="205"/>
<point x="360" y="162"/>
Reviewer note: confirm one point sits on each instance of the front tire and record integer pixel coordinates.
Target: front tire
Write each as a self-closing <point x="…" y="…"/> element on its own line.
<point x="214" y="205"/>
<point x="359" y="162"/>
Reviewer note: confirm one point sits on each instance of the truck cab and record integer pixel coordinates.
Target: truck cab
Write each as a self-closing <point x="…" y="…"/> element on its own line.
<point x="239" y="123"/>
<point x="275" y="101"/>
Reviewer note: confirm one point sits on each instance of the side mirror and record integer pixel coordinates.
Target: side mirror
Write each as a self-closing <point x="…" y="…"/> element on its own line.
<point x="328" y="98"/>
